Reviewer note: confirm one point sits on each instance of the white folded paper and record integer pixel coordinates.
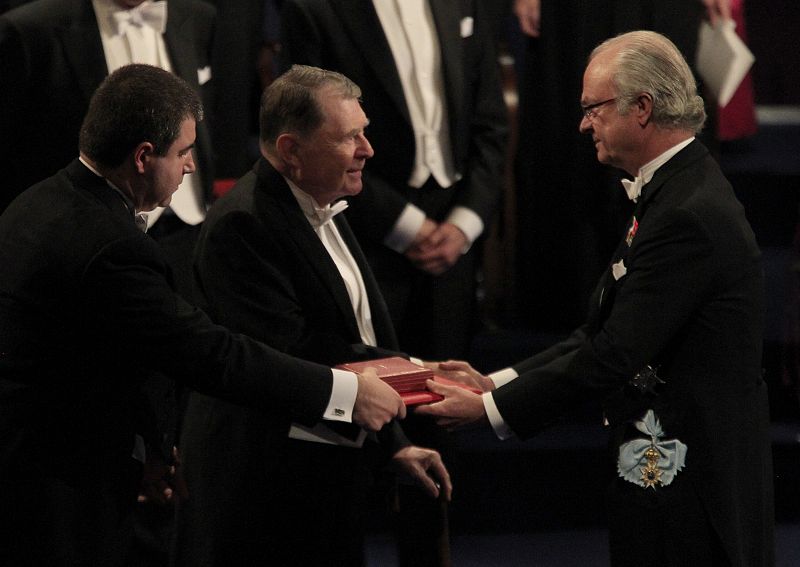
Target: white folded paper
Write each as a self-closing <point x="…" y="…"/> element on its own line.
<point x="722" y="59"/>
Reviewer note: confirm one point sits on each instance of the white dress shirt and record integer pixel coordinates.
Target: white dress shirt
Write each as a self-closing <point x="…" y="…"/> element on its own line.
<point x="345" y="384"/>
<point x="411" y="33"/>
<point x="634" y="188"/>
<point x="341" y="256"/>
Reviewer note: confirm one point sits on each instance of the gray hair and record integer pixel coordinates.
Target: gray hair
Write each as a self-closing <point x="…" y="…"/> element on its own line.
<point x="290" y="103"/>
<point x="648" y="62"/>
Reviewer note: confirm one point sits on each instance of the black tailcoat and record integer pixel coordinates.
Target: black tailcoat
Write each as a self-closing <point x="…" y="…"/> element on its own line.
<point x="692" y="306"/>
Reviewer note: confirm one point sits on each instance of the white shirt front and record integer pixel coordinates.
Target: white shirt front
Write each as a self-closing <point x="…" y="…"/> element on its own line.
<point x="345" y="388"/>
<point x="348" y="268"/>
<point x="411" y="33"/>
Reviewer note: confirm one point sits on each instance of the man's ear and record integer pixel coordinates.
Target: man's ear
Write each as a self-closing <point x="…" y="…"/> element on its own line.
<point x="644" y="109"/>
<point x="287" y="146"/>
<point x="142" y="155"/>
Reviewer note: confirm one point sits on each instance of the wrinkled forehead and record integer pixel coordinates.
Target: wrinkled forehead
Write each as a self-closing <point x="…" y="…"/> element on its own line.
<point x="342" y="112"/>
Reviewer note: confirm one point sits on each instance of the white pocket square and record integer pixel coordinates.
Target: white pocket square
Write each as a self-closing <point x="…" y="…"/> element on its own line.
<point x="618" y="270"/>
<point x="466" y="26"/>
<point x="204" y="75"/>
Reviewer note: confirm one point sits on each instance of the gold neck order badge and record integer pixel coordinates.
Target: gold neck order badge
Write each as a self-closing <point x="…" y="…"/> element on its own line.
<point x="651" y="474"/>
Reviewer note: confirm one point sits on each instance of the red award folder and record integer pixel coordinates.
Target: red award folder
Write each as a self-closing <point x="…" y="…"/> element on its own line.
<point x="407" y="378"/>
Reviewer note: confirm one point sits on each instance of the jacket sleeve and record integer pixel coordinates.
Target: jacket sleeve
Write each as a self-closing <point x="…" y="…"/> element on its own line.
<point x="672" y="274"/>
<point x="140" y="315"/>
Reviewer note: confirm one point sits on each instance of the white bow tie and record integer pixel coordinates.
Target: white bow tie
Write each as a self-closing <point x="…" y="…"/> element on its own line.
<point x="151" y="14"/>
<point x="325" y="214"/>
<point x="633" y="188"/>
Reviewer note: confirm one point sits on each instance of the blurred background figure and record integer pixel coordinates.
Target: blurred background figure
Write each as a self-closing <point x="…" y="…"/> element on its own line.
<point x="246" y="45"/>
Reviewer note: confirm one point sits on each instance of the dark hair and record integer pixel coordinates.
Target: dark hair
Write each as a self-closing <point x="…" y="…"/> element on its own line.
<point x="290" y="104"/>
<point x="135" y="104"/>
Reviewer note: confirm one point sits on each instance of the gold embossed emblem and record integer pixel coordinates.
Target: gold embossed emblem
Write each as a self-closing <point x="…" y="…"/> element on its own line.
<point x="651" y="474"/>
<point x="652" y="462"/>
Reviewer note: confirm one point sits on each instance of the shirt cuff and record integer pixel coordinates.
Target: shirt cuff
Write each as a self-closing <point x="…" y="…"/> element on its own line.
<point x="343" y="396"/>
<point x="468" y="222"/>
<point x="405" y="229"/>
<point x="503" y="377"/>
<point x="501" y="429"/>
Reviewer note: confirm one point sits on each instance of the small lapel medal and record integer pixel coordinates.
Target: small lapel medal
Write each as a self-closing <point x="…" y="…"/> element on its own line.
<point x="632" y="231"/>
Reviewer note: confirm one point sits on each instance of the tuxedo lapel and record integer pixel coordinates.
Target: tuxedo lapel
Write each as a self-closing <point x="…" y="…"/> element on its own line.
<point x="321" y="262"/>
<point x="365" y="30"/>
<point x="381" y="322"/>
<point x="447" y="19"/>
<point x="685" y="158"/>
<point x="311" y="248"/>
<point x="83" y="48"/>
<point x="179" y="42"/>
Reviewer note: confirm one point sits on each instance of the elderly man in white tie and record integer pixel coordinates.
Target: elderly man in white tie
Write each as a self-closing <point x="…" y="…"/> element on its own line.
<point x="275" y="258"/>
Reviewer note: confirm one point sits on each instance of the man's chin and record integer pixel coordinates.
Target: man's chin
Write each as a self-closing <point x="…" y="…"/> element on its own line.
<point x="149" y="208"/>
<point x="354" y="189"/>
<point x="603" y="157"/>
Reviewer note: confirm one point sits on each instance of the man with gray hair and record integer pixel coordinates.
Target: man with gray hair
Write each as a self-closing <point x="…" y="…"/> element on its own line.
<point x="672" y="346"/>
<point x="276" y="261"/>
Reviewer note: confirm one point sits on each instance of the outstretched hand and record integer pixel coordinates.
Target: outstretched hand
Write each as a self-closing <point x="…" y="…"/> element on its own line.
<point x="462" y="372"/>
<point x="377" y="403"/>
<point x="426" y="469"/>
<point x="459" y="408"/>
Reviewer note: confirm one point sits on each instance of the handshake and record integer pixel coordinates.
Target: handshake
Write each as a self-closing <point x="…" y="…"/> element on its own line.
<point x="456" y="385"/>
<point x="378" y="402"/>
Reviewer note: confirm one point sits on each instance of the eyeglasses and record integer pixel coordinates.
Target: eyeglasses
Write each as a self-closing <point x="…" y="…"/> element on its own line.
<point x="589" y="111"/>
